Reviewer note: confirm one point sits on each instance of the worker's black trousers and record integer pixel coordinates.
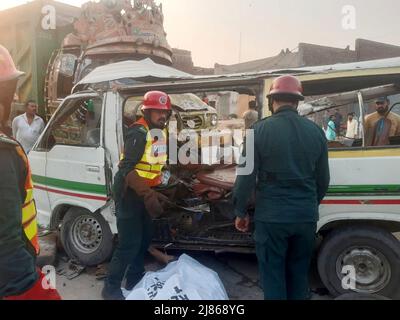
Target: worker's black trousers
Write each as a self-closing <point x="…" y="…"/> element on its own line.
<point x="284" y="253"/>
<point x="135" y="232"/>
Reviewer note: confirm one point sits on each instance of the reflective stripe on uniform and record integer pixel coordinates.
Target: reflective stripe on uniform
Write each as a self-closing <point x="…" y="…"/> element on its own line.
<point x="29" y="213"/>
<point x="31" y="229"/>
<point x="154" y="157"/>
<point x="148" y="167"/>
<point x="147" y="175"/>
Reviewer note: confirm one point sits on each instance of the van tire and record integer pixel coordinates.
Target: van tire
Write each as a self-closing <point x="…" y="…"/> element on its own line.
<point x="375" y="253"/>
<point x="86" y="237"/>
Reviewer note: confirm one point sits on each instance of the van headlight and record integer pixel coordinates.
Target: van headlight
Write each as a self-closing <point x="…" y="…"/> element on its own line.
<point x="214" y="120"/>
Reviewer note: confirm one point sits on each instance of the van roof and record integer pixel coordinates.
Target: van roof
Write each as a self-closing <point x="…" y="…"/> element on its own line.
<point x="148" y="71"/>
<point x="369" y="64"/>
<point x="133" y="70"/>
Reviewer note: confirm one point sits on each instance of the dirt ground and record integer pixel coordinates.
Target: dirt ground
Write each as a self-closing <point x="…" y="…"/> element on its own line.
<point x="238" y="272"/>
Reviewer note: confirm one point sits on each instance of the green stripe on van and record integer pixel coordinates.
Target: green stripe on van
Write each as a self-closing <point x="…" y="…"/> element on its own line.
<point x="70" y="185"/>
<point x="364" y="189"/>
<point x="101" y="189"/>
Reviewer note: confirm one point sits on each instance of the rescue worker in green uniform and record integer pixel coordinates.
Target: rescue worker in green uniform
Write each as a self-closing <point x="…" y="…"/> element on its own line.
<point x="137" y="202"/>
<point x="19" y="242"/>
<point x="291" y="177"/>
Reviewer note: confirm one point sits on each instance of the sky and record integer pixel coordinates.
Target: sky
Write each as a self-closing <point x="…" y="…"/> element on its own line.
<point x="232" y="31"/>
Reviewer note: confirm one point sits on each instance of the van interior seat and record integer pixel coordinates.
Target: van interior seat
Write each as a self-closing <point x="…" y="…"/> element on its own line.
<point x="223" y="177"/>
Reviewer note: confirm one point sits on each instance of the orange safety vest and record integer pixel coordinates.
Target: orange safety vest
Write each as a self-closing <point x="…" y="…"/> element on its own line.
<point x="154" y="158"/>
<point x="29" y="214"/>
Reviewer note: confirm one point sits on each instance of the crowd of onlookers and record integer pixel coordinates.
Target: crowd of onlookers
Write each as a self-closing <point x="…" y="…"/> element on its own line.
<point x="335" y="128"/>
<point x="380" y="127"/>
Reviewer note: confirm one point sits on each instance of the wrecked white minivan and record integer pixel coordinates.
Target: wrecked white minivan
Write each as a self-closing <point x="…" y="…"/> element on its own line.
<point x="77" y="156"/>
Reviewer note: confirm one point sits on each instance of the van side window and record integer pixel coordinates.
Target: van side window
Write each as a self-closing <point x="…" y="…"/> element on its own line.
<point x="341" y="121"/>
<point x="65" y="67"/>
<point x="132" y="113"/>
<point x="78" y="124"/>
<point x="382" y="121"/>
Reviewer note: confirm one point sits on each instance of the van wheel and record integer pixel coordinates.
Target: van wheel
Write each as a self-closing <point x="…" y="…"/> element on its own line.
<point x="375" y="255"/>
<point x="86" y="237"/>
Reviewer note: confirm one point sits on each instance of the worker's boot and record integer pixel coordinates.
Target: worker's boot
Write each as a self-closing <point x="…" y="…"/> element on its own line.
<point x="132" y="281"/>
<point x="112" y="293"/>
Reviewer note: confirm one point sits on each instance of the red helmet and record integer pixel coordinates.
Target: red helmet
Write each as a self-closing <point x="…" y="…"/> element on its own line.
<point x="8" y="71"/>
<point x="156" y="100"/>
<point x="287" y="85"/>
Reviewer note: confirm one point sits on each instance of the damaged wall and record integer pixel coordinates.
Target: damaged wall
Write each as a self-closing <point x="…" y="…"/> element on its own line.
<point x="315" y="55"/>
<point x="182" y="60"/>
<point x="370" y="50"/>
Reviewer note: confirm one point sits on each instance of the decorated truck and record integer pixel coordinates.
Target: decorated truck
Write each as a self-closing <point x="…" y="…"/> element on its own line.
<point x="109" y="32"/>
<point x="106" y="32"/>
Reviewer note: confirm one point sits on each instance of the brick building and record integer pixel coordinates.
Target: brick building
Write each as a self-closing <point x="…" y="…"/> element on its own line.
<point x="307" y="55"/>
<point x="182" y="60"/>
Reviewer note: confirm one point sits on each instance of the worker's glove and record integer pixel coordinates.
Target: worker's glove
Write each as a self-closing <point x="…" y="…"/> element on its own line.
<point x="154" y="202"/>
<point x="137" y="183"/>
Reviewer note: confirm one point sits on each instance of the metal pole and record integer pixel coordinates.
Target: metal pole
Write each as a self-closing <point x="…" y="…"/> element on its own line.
<point x="362" y="115"/>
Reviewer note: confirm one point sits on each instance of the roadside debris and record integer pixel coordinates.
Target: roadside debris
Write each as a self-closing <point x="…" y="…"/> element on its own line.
<point x="101" y="272"/>
<point x="72" y="270"/>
